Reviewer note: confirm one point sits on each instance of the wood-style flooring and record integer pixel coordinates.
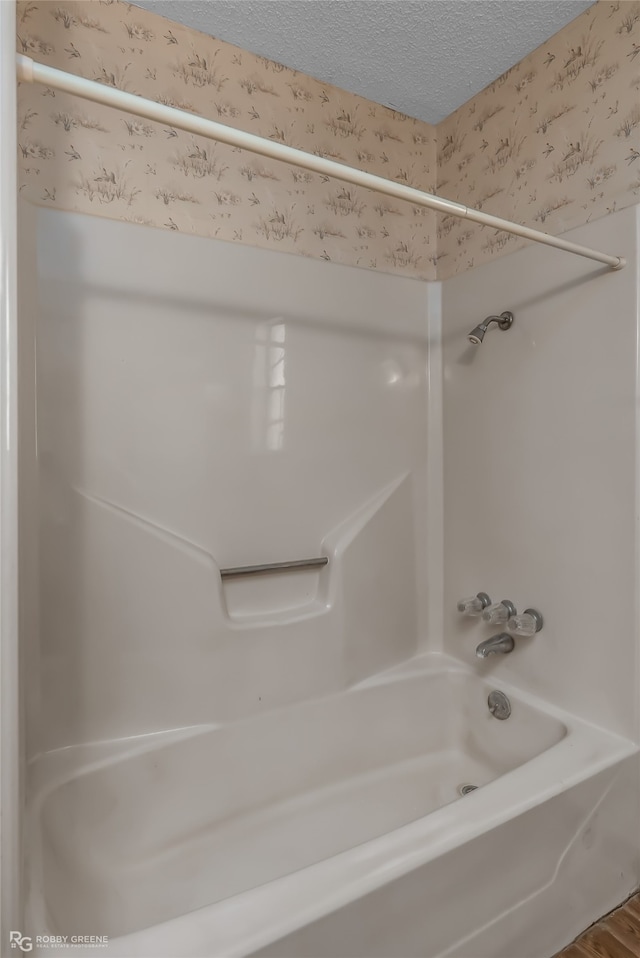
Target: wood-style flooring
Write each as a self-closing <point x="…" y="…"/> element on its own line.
<point x="615" y="936"/>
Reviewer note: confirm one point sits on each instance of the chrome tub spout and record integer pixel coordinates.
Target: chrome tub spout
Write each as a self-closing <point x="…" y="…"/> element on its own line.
<point x="497" y="644"/>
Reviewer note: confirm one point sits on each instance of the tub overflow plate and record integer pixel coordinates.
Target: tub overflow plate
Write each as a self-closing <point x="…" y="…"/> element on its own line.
<point x="499" y="705"/>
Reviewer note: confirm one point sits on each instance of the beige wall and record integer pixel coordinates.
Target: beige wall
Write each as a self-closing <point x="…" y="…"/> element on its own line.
<point x="80" y="156"/>
<point x="553" y="143"/>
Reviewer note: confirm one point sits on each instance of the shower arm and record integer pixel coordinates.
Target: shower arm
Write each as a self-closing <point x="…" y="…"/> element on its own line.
<point x="504" y="320"/>
<point x="30" y="71"/>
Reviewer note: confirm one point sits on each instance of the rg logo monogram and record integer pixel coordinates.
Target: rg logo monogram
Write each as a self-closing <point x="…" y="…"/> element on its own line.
<point x="23" y="942"/>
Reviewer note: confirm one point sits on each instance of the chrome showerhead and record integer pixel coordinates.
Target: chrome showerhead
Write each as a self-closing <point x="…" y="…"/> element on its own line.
<point x="477" y="335"/>
<point x="504" y="321"/>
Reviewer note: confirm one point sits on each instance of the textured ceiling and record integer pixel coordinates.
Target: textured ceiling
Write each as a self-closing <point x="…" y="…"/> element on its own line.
<point x="422" y="57"/>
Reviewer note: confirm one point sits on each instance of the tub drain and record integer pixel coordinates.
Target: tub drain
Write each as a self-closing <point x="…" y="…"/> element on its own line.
<point x="465" y="789"/>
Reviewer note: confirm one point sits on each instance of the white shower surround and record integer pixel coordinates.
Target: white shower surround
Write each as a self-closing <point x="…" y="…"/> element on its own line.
<point x="570" y="811"/>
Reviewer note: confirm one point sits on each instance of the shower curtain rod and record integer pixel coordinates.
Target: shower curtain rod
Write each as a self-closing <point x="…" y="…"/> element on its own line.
<point x="30" y="71"/>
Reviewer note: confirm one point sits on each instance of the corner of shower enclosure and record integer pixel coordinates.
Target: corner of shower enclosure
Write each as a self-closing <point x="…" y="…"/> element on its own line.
<point x="10" y="751"/>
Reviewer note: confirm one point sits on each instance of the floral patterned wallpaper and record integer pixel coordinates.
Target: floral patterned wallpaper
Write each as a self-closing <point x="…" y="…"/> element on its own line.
<point x="80" y="156"/>
<point x="553" y="143"/>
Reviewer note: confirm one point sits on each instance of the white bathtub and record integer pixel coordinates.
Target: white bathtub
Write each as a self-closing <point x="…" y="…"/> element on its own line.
<point x="303" y="831"/>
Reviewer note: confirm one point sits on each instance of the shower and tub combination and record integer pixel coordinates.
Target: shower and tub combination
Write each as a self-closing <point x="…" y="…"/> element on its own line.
<point x="259" y="719"/>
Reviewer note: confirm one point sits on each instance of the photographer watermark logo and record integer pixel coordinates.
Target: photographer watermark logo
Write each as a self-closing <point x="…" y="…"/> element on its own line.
<point x="23" y="942"/>
<point x="27" y="942"/>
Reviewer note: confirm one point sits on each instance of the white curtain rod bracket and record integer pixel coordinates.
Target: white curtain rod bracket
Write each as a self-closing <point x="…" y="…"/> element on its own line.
<point x="30" y="71"/>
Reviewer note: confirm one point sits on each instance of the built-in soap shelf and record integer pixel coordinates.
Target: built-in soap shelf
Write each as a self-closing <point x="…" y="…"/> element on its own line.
<point x="275" y="592"/>
<point x="362" y="571"/>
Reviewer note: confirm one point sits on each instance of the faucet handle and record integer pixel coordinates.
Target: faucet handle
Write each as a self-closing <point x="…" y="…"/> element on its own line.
<point x="527" y="624"/>
<point x="499" y="612"/>
<point x="474" y="604"/>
